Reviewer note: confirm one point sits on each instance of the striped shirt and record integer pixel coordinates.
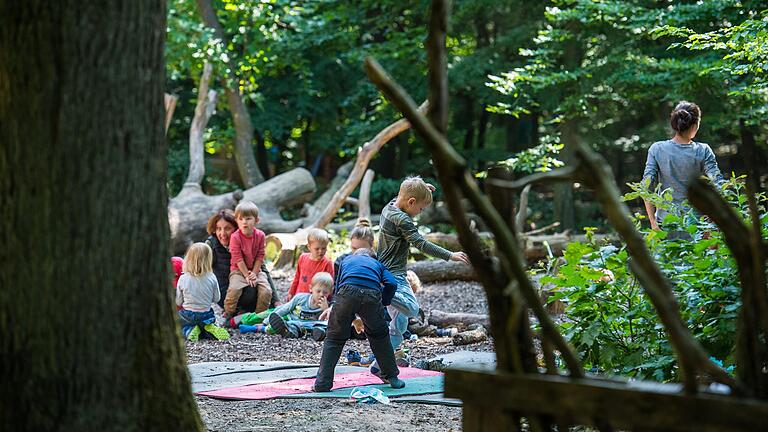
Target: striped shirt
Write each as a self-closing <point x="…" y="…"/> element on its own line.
<point x="398" y="234"/>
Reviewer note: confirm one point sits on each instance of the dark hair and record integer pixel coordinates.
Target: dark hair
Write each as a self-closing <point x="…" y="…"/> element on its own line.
<point x="226" y="214"/>
<point x="365" y="252"/>
<point x="684" y="116"/>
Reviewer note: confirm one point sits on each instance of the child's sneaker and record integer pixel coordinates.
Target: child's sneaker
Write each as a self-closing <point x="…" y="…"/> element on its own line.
<point x="282" y="328"/>
<point x="219" y="333"/>
<point x="194" y="334"/>
<point x="353" y="358"/>
<point x="318" y="333"/>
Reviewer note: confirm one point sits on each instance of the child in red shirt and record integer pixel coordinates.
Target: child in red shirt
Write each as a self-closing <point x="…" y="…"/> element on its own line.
<point x="310" y="263"/>
<point x="247" y="248"/>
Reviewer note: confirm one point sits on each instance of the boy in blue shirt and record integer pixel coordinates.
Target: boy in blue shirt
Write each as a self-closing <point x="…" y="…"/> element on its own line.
<point x="364" y="286"/>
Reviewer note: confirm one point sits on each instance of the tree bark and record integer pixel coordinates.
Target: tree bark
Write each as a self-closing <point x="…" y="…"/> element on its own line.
<point x="470" y="337"/>
<point x="206" y="104"/>
<point x="170" y="107"/>
<point x="439" y="270"/>
<point x="445" y="319"/>
<point x="89" y="335"/>
<point x="364" y="205"/>
<point x="246" y="162"/>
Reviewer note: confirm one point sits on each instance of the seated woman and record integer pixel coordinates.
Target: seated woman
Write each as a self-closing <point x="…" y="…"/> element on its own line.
<point x="220" y="227"/>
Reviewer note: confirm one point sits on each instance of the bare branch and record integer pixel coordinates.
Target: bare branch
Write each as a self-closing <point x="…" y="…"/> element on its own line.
<point x="206" y="104"/>
<point x="564" y="174"/>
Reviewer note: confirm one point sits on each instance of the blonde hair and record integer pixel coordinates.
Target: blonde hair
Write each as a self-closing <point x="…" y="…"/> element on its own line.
<point x="318" y="235"/>
<point x="415" y="187"/>
<point x="324" y="279"/>
<point x="246" y="208"/>
<point x="199" y="260"/>
<point x="363" y="231"/>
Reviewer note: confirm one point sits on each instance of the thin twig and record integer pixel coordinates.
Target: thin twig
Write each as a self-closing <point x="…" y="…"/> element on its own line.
<point x="564" y="174"/>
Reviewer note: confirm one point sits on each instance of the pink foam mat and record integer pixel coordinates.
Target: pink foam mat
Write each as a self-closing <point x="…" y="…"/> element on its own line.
<point x="304" y="385"/>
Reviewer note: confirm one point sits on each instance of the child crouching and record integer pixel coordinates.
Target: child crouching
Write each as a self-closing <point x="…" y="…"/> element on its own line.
<point x="196" y="291"/>
<point x="301" y="314"/>
<point x="360" y="292"/>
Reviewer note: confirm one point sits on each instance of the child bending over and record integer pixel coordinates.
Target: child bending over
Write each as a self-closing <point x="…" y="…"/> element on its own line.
<point x="196" y="290"/>
<point x="365" y="286"/>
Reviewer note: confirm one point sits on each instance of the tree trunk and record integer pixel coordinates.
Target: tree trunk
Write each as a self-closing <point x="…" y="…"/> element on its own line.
<point x="563" y="200"/>
<point x="206" y="103"/>
<point x="89" y="335"/>
<point x="246" y="162"/>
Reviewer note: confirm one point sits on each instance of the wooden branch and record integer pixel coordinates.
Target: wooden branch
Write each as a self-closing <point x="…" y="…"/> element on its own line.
<point x="542" y="229"/>
<point x="364" y="155"/>
<point x="446" y="319"/>
<point x="470" y="336"/>
<point x="170" y="106"/>
<point x="439" y="270"/>
<point x="453" y="167"/>
<point x="627" y="406"/>
<point x="563" y="174"/>
<point x="751" y="264"/>
<point x="592" y="171"/>
<point x="364" y="207"/>
<point x="206" y="105"/>
<point x="522" y="211"/>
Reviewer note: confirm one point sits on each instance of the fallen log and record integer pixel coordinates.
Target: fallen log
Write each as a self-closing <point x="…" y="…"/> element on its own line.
<point x="451" y="241"/>
<point x="445" y="319"/>
<point x="188" y="212"/>
<point x="439" y="270"/>
<point x="471" y="336"/>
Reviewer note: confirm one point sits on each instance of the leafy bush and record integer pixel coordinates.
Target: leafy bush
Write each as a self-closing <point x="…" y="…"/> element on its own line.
<point x="613" y="324"/>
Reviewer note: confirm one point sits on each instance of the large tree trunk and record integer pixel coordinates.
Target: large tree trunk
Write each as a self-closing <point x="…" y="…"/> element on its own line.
<point x="246" y="162"/>
<point x="89" y="335"/>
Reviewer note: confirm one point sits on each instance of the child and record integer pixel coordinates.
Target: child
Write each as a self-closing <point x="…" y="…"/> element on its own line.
<point x="301" y="314"/>
<point x="196" y="291"/>
<point x="360" y="237"/>
<point x="398" y="234"/>
<point x="310" y="263"/>
<point x="247" y="248"/>
<point x="360" y="292"/>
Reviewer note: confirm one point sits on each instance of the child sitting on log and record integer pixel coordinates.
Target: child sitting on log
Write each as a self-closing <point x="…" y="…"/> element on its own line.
<point x="364" y="287"/>
<point x="311" y="263"/>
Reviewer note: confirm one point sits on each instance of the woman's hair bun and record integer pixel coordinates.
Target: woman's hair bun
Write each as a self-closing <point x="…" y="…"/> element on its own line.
<point x="363" y="222"/>
<point x="684" y="116"/>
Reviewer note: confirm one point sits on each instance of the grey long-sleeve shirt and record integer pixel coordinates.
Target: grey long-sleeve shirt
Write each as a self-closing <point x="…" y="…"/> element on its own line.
<point x="398" y="232"/>
<point x="197" y="293"/>
<point x="673" y="165"/>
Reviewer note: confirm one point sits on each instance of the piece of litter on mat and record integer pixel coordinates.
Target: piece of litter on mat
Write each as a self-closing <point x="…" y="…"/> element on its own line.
<point x="369" y="395"/>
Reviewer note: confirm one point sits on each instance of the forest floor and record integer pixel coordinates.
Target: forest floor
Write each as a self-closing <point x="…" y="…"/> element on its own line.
<point x="319" y="415"/>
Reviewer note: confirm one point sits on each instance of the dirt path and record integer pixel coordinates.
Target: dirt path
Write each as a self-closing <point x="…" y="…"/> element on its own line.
<point x="335" y="415"/>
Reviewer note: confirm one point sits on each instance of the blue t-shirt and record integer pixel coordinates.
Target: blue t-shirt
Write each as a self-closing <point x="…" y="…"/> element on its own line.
<point x="366" y="272"/>
<point x="299" y="308"/>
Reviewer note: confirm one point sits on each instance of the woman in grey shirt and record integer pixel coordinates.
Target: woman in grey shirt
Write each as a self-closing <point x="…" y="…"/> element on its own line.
<point x="674" y="162"/>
